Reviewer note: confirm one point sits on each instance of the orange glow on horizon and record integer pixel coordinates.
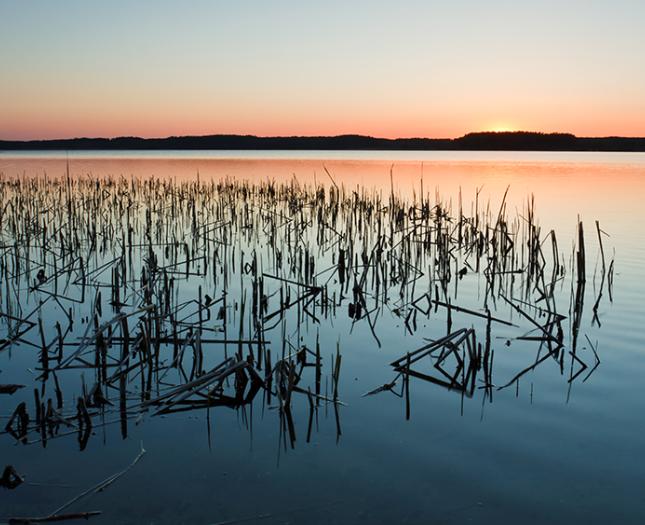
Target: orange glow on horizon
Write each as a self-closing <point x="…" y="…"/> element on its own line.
<point x="115" y="126"/>
<point x="502" y="128"/>
<point x="181" y="116"/>
<point x="444" y="70"/>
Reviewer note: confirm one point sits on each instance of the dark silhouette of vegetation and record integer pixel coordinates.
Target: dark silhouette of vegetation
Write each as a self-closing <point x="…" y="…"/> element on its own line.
<point x="515" y="140"/>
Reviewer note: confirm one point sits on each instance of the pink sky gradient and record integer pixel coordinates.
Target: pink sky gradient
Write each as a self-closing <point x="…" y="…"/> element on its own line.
<point x="74" y="69"/>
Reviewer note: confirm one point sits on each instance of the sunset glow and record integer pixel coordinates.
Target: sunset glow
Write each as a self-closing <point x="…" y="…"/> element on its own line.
<point x="417" y="68"/>
<point x="500" y="128"/>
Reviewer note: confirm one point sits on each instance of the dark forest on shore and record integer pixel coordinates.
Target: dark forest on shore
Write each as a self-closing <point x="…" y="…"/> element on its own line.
<point x="499" y="141"/>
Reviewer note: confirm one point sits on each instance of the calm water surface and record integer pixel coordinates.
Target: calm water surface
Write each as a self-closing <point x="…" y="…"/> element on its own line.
<point x="546" y="450"/>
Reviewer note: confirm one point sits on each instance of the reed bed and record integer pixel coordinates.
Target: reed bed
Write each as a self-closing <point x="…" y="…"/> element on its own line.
<point x="142" y="297"/>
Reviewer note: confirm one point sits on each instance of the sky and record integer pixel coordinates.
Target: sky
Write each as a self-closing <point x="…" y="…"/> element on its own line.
<point x="382" y="68"/>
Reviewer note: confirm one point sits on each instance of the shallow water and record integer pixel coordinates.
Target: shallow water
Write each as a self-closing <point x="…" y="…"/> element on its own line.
<point x="543" y="450"/>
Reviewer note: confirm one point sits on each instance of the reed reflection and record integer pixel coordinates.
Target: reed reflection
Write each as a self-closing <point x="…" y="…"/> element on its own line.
<point x="150" y="297"/>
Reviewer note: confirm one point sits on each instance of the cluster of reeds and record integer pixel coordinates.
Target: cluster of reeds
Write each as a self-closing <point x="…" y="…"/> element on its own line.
<point x="151" y="296"/>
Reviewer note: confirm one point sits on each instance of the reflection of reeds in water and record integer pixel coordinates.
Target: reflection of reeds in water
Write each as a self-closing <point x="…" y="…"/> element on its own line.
<point x="163" y="297"/>
<point x="536" y="306"/>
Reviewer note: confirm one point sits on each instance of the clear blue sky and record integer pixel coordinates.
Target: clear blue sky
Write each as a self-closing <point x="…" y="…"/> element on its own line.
<point x="408" y="68"/>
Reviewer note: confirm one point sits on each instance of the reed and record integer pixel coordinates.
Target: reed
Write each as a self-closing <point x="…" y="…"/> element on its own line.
<point x="171" y="296"/>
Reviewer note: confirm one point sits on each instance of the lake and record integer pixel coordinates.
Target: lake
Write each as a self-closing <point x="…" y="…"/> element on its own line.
<point x="304" y="276"/>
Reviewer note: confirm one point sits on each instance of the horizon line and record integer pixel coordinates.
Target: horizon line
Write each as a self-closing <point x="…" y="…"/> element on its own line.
<point x="497" y="133"/>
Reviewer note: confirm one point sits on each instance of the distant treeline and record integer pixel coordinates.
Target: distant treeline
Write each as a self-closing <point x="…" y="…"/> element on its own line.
<point x="516" y="140"/>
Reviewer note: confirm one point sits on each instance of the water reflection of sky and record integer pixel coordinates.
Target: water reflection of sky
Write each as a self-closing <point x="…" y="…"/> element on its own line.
<point x="528" y="455"/>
